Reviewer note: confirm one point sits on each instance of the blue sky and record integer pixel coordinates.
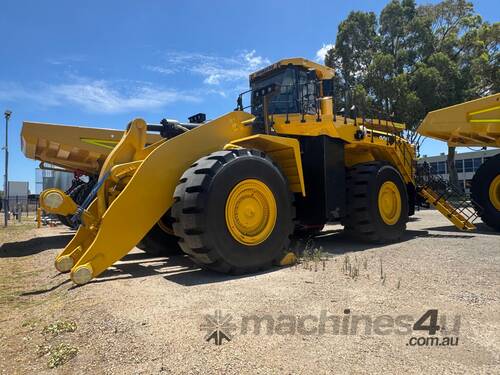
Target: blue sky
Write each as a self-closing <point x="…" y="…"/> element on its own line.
<point x="101" y="63"/>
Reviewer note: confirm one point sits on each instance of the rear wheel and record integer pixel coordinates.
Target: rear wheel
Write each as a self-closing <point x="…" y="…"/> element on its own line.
<point x="233" y="212"/>
<point x="377" y="203"/>
<point x="485" y="192"/>
<point x="160" y="240"/>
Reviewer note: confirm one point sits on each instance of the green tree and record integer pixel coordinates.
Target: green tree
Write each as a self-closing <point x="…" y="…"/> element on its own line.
<point x="415" y="59"/>
<point x="356" y="42"/>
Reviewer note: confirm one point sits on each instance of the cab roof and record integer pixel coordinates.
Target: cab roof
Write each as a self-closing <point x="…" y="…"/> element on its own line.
<point x="322" y="71"/>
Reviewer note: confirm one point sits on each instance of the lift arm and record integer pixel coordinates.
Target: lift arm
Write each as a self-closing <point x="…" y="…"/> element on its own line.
<point x="135" y="195"/>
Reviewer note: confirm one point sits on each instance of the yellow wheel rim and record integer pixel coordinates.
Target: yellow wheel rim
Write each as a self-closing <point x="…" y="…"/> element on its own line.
<point x="389" y="203"/>
<point x="495" y="192"/>
<point x="251" y="212"/>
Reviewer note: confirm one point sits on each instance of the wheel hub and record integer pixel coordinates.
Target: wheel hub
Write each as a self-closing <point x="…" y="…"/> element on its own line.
<point x="389" y="203"/>
<point x="494" y="192"/>
<point x="251" y="212"/>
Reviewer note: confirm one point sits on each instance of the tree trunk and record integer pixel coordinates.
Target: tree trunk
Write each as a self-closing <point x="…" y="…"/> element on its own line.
<point x="452" y="171"/>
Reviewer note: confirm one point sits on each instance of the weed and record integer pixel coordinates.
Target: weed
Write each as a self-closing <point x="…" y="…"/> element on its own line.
<point x="313" y="256"/>
<point x="59" y="327"/>
<point x="61" y="354"/>
<point x="31" y="323"/>
<point x="382" y="274"/>
<point x="349" y="268"/>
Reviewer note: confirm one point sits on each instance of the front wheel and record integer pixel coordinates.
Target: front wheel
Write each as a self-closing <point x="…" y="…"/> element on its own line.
<point x="233" y="212"/>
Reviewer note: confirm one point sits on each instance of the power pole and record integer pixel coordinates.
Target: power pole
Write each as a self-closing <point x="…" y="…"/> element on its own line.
<point x="6" y="185"/>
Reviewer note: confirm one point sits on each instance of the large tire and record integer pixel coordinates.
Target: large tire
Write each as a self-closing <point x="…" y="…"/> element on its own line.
<point x="367" y="221"/>
<point x="160" y="240"/>
<point x="204" y="202"/>
<point x="487" y="202"/>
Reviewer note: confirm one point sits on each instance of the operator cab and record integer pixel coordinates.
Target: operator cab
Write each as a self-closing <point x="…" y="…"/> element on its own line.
<point x="291" y="86"/>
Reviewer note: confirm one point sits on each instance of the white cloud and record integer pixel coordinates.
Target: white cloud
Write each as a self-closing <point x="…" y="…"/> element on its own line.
<point x="100" y="96"/>
<point x="65" y="60"/>
<point x="255" y="62"/>
<point x="216" y="70"/>
<point x="96" y="95"/>
<point x="219" y="75"/>
<point x="159" y="69"/>
<point x="321" y="53"/>
<point x="12" y="92"/>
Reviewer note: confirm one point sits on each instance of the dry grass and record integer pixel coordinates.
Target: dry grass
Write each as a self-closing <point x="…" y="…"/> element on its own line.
<point x="312" y="257"/>
<point x="15" y="229"/>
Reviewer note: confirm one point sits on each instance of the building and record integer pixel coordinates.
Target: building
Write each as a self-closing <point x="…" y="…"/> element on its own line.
<point x="51" y="178"/>
<point x="18" y="189"/>
<point x="18" y="198"/>
<point x="466" y="163"/>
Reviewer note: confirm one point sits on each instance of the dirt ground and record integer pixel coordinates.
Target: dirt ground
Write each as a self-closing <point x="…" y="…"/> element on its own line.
<point x="149" y="315"/>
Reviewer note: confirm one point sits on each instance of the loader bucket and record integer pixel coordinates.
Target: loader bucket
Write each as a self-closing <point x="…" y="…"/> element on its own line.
<point x="74" y="148"/>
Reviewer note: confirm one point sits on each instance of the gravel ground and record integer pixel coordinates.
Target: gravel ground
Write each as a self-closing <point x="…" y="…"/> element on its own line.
<point x="147" y="315"/>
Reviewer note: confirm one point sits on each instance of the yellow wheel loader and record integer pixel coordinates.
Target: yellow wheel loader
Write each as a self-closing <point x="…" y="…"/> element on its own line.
<point x="235" y="189"/>
<point x="473" y="124"/>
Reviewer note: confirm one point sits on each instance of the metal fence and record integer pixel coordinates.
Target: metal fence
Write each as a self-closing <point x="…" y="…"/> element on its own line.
<point x="19" y="206"/>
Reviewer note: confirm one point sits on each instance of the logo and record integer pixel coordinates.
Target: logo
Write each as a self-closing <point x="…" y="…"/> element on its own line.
<point x="438" y="329"/>
<point x="218" y="327"/>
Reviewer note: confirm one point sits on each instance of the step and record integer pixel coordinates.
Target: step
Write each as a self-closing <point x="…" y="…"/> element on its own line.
<point x="447" y="209"/>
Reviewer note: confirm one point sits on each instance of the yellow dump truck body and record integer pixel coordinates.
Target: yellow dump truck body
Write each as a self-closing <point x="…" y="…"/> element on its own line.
<point x="71" y="147"/>
<point x="473" y="123"/>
